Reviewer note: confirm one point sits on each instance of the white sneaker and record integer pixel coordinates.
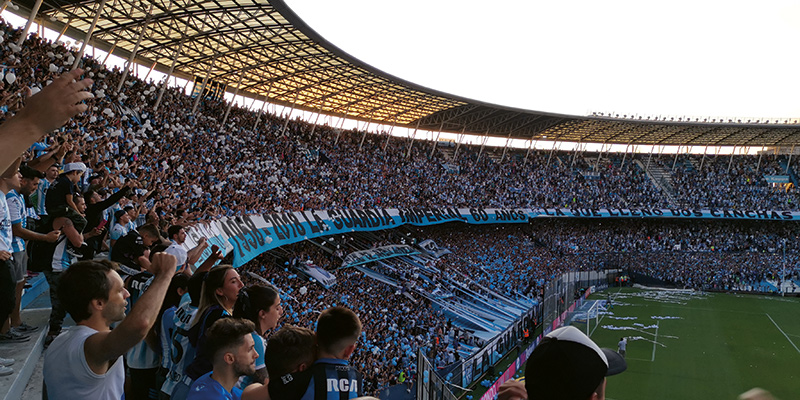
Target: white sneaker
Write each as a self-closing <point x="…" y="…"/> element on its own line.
<point x="5" y="362"/>
<point x="6" y="371"/>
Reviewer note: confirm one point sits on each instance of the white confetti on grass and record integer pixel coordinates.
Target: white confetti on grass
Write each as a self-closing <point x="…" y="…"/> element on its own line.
<point x="634" y="338"/>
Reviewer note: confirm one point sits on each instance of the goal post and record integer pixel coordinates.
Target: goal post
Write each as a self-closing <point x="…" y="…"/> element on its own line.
<point x="593" y="317"/>
<point x="587" y="317"/>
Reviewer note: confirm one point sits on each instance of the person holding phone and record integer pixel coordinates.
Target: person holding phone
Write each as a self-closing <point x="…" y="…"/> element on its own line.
<point x="95" y="206"/>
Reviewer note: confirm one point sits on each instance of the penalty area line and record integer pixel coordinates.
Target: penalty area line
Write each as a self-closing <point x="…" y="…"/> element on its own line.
<point x="784" y="333"/>
<point x="655" y="340"/>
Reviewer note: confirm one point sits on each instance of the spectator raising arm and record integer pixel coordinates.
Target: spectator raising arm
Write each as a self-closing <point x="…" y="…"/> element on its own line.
<point x="106" y="346"/>
<point x="45" y="111"/>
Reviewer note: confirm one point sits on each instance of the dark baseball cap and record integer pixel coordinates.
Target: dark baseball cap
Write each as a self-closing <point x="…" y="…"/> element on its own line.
<point x="568" y="365"/>
<point x="119" y="214"/>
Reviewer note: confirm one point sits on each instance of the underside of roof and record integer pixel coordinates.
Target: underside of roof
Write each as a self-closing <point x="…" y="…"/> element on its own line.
<point x="266" y="51"/>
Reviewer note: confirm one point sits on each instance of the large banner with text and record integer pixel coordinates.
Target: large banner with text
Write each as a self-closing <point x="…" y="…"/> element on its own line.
<point x="251" y="235"/>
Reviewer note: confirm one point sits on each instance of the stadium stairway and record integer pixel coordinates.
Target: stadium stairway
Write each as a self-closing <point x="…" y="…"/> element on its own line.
<point x="661" y="178"/>
<point x="692" y="164"/>
<point x="790" y="171"/>
<point x="447" y="152"/>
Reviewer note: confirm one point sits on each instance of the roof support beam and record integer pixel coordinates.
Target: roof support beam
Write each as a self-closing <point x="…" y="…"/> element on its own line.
<point x="289" y="116"/>
<point x="459" y="138"/>
<point x="789" y="162"/>
<point x="24" y="34"/>
<point x="530" y="146"/>
<point x="551" y="152"/>
<point x="135" y="49"/>
<point x="169" y="76"/>
<point x="624" y="155"/>
<point x="97" y="13"/>
<point x="411" y="142"/>
<point x="202" y="87"/>
<point x="435" y="141"/>
<point x="730" y="163"/>
<point x="483" y="144"/>
<point x="230" y="104"/>
<point x="388" y="136"/>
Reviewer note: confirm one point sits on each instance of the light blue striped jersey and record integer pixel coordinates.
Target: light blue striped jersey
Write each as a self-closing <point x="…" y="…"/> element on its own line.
<point x="140" y="356"/>
<point x="62" y="259"/>
<point x="16" y="209"/>
<point x="38" y="196"/>
<point x="165" y="332"/>
<point x="117" y="231"/>
<point x="181" y="350"/>
<point x="6" y="235"/>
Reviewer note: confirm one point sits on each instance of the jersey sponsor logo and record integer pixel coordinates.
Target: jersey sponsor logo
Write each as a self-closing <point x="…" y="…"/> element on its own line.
<point x="183" y="316"/>
<point x="342" y="385"/>
<point x="141" y="286"/>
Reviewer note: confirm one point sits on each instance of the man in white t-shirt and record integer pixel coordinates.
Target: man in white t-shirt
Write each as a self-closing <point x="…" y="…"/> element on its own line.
<point x="120" y="227"/>
<point x="86" y="361"/>
<point x="177" y="235"/>
<point x="186" y="259"/>
<point x="622" y="346"/>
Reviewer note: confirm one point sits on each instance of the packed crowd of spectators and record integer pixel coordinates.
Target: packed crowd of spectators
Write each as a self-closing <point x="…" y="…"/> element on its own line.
<point x="730" y="182"/>
<point x="399" y="324"/>
<point x="710" y="255"/>
<point x="143" y="172"/>
<point x="256" y="166"/>
<point x="517" y="261"/>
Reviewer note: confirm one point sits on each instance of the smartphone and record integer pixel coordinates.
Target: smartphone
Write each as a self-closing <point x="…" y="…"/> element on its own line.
<point x="102" y="224"/>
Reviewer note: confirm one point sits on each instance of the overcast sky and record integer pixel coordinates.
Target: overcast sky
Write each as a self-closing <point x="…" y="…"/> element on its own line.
<point x="685" y="57"/>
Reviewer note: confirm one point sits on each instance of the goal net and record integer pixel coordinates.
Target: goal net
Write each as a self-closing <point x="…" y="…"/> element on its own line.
<point x="587" y="316"/>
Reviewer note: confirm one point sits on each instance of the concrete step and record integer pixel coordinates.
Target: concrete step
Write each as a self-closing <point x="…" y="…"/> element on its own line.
<point x="27" y="381"/>
<point x="26" y="355"/>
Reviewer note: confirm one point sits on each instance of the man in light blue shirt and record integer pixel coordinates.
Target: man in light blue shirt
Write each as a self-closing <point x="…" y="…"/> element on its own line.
<point x="9" y="180"/>
<point x="19" y="221"/>
<point x="234" y="356"/>
<point x="40" y="194"/>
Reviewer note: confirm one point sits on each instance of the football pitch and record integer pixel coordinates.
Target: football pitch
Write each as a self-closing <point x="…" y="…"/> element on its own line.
<point x="692" y="345"/>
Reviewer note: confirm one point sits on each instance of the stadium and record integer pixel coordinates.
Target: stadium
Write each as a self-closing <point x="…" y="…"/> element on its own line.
<point x="233" y="134"/>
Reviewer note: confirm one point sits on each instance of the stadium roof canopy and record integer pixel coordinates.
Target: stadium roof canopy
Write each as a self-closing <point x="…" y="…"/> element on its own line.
<point x="268" y="52"/>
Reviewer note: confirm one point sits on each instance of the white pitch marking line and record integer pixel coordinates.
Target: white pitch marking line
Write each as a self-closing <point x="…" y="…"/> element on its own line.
<point x="601" y="317"/>
<point x="784" y="333"/>
<point x="653" y="358"/>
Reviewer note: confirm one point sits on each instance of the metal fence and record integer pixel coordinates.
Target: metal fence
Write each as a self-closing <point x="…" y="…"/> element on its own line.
<point x="561" y="295"/>
<point x="483" y="360"/>
<point x="430" y="386"/>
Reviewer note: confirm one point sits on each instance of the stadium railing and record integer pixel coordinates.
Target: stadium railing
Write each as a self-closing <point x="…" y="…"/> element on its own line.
<point x="432" y="386"/>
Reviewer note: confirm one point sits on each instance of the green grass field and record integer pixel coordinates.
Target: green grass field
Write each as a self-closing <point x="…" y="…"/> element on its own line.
<point x="721" y="345"/>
